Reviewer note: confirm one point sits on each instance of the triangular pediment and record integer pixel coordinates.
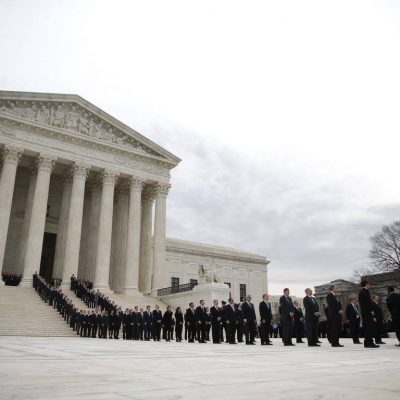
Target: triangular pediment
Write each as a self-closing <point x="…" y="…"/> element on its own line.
<point x="75" y="115"/>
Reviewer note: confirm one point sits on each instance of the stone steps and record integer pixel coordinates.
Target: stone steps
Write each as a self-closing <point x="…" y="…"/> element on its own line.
<point x="23" y="313"/>
<point x="78" y="303"/>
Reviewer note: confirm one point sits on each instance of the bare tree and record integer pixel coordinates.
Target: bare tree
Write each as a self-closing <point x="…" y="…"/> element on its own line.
<point x="385" y="252"/>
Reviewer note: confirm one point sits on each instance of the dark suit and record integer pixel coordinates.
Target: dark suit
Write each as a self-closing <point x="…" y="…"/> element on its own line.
<point x="230" y="317"/>
<point x="249" y="314"/>
<point x="147" y="320"/>
<point x="216" y="320"/>
<point x="157" y="318"/>
<point x="286" y="307"/>
<point x="312" y="321"/>
<point x="353" y="316"/>
<point x="298" y="319"/>
<point x="393" y="305"/>
<point x="201" y="323"/>
<point x="265" y="321"/>
<point x="367" y="309"/>
<point x="334" y="317"/>
<point x="378" y="314"/>
<point x="190" y="320"/>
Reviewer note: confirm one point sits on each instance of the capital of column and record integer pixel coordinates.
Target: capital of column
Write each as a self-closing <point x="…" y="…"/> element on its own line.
<point x="121" y="189"/>
<point x="67" y="178"/>
<point x="46" y="162"/>
<point x="80" y="170"/>
<point x="148" y="194"/>
<point x="162" y="189"/>
<point x="11" y="155"/>
<point x="110" y="177"/>
<point x="136" y="183"/>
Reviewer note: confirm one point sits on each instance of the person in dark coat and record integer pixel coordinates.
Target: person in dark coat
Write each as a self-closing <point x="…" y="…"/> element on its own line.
<point x="378" y="314"/>
<point x="393" y="305"/>
<point x="157" y="322"/>
<point x="353" y="318"/>
<point x="265" y="320"/>
<point x="147" y="322"/>
<point x="311" y="308"/>
<point x="104" y="324"/>
<point x="298" y="322"/>
<point x="167" y="323"/>
<point x="178" y="324"/>
<point x="230" y="317"/>
<point x="250" y="320"/>
<point x="117" y="323"/>
<point x="201" y="322"/>
<point x="208" y="324"/>
<point x="216" y="321"/>
<point x="334" y="316"/>
<point x="287" y="314"/>
<point x="93" y="324"/>
<point x="190" y="321"/>
<point x="240" y="323"/>
<point x="367" y="314"/>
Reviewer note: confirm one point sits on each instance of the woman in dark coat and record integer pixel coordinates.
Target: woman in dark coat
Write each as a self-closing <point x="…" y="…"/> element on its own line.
<point x="178" y="324"/>
<point x="167" y="323"/>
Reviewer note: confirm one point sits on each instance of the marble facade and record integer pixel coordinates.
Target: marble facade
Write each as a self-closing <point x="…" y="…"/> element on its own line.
<point x="91" y="192"/>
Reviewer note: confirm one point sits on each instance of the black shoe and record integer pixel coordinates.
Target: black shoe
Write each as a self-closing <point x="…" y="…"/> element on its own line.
<point x="398" y="345"/>
<point x="337" y="345"/>
<point x="314" y="345"/>
<point x="251" y="344"/>
<point x="233" y="343"/>
<point x="318" y="341"/>
<point x="299" y="341"/>
<point x="269" y="343"/>
<point x="380" y="342"/>
<point x="289" y="344"/>
<point x="371" y="346"/>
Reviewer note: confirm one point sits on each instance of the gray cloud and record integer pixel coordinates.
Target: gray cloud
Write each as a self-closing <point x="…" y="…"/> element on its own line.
<point x="308" y="227"/>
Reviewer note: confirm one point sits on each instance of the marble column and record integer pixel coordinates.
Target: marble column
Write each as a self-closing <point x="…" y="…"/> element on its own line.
<point x="120" y="236"/>
<point x="34" y="243"/>
<point x="62" y="226"/>
<point x="74" y="226"/>
<point x="146" y="233"/>
<point x="27" y="218"/>
<point x="103" y="247"/>
<point x="11" y="157"/>
<point x="94" y="215"/>
<point x="131" y="268"/>
<point x="160" y="216"/>
<point x="83" y="250"/>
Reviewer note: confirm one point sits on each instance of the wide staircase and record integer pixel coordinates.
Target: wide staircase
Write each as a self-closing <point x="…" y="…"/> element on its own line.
<point x="23" y="313"/>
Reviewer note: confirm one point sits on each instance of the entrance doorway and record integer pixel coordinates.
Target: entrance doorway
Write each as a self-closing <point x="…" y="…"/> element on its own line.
<point x="47" y="260"/>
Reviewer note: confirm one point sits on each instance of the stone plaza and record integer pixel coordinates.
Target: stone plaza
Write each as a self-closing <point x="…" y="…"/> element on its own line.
<point x="66" y="368"/>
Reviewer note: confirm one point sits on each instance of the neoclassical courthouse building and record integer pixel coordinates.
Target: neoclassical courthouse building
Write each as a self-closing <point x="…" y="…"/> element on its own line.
<point x="81" y="193"/>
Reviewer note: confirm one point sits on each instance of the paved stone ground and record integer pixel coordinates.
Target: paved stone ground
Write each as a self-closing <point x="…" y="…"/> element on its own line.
<point x="65" y="368"/>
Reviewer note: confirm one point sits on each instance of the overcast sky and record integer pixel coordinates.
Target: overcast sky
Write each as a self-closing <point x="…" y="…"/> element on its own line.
<point x="286" y="114"/>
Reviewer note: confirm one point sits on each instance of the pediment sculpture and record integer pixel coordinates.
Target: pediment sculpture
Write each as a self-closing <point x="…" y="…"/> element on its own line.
<point x="73" y="118"/>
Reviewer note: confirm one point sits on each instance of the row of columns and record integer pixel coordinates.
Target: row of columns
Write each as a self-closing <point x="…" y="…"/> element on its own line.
<point x="133" y="225"/>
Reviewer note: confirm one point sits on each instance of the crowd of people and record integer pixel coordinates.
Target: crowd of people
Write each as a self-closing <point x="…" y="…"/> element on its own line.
<point x="11" y="279"/>
<point x="228" y="322"/>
